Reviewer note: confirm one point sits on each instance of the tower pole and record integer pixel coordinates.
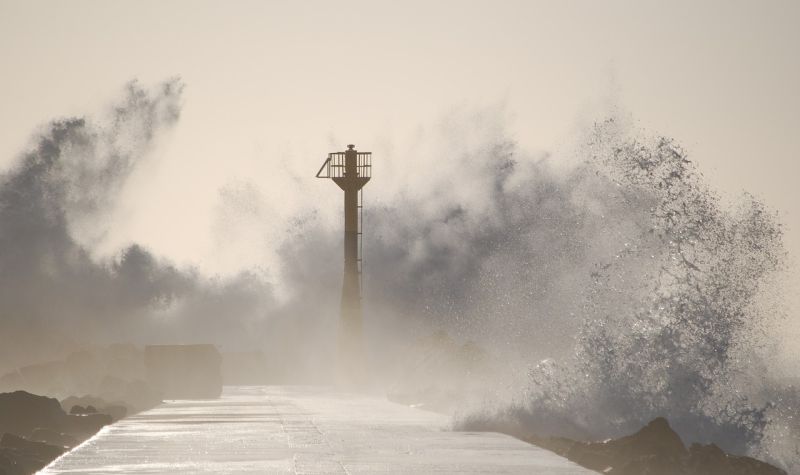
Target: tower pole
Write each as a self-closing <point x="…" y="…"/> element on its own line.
<point x="351" y="351"/>
<point x="350" y="170"/>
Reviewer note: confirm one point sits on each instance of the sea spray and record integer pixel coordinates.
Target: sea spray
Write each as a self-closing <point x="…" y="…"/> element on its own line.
<point x="55" y="200"/>
<point x="673" y="322"/>
<point x="644" y="291"/>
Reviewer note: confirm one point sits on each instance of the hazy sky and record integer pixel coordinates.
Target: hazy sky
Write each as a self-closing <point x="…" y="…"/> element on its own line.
<point x="271" y="86"/>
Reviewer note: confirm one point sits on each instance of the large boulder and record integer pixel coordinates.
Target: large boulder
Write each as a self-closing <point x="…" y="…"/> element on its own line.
<point x="711" y="460"/>
<point x="656" y="438"/>
<point x="102" y="371"/>
<point x="15" y="462"/>
<point x="654" y="450"/>
<point x="85" y="425"/>
<point x="90" y="404"/>
<point x="19" y="456"/>
<point x="53" y="437"/>
<point x="35" y="430"/>
<point x="45" y="452"/>
<point x="21" y="412"/>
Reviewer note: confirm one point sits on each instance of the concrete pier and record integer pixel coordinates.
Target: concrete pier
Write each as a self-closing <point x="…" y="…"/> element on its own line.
<point x="300" y="430"/>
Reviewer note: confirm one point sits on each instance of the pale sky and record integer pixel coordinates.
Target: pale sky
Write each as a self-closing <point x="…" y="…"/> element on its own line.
<point x="272" y="86"/>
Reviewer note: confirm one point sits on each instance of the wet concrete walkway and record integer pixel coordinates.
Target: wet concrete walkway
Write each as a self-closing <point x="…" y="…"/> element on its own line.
<point x="299" y="430"/>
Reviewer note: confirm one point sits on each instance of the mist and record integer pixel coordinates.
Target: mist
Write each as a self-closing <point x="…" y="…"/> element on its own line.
<point x="56" y="201"/>
<point x="609" y="267"/>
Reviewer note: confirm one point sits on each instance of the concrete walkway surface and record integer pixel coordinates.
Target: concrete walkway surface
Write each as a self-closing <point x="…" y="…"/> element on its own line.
<point x="300" y="430"/>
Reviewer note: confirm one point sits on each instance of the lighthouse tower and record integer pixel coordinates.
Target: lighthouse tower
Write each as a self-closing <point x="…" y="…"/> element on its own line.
<point x="351" y="170"/>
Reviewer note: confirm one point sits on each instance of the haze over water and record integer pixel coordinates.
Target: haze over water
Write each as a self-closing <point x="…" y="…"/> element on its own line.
<point x="552" y="183"/>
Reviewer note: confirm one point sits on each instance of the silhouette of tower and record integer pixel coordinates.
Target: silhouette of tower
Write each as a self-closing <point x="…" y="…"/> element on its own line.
<point x="351" y="170"/>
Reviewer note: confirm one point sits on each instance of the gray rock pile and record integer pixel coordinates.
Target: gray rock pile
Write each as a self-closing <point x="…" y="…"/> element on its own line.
<point x="654" y="450"/>
<point x="19" y="456"/>
<point x="34" y="430"/>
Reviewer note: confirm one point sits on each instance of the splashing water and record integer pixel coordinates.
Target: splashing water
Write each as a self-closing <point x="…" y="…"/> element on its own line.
<point x="649" y="295"/>
<point x="675" y="323"/>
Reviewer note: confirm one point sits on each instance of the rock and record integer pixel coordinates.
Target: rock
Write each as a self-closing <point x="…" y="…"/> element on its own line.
<point x="654" y="450"/>
<point x="707" y="460"/>
<point x="22" y="412"/>
<point x="50" y="429"/>
<point x="19" y="456"/>
<point x="15" y="462"/>
<point x="114" y="373"/>
<point x="87" y="405"/>
<point x="81" y="372"/>
<point x="657" y="439"/>
<point x="39" y="450"/>
<point x="69" y="403"/>
<point x="53" y="437"/>
<point x="86" y="424"/>
<point x="595" y="456"/>
<point x="711" y="460"/>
